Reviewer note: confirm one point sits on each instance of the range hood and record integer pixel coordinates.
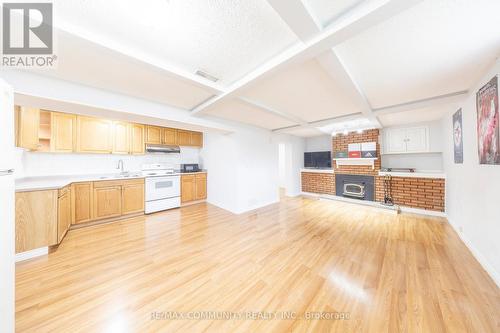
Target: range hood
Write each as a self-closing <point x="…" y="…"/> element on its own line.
<point x="162" y="149"/>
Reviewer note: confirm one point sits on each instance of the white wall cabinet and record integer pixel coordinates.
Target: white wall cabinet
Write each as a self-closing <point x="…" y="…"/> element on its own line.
<point x="406" y="140"/>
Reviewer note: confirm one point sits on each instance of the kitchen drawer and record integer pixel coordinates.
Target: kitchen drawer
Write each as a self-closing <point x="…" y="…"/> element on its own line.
<point x="118" y="182"/>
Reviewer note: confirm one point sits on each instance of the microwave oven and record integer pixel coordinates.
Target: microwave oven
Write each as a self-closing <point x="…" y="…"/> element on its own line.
<point x="190" y="168"/>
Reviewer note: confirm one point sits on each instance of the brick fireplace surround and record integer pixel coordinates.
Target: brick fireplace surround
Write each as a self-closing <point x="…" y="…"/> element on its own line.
<point x="422" y="193"/>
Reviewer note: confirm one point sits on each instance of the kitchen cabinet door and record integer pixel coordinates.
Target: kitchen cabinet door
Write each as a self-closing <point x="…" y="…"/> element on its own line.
<point x="133" y="197"/>
<point x="63" y="132"/>
<point x="121" y="137"/>
<point x="28" y="124"/>
<point x="169" y="136"/>
<point x="188" y="188"/>
<point x="107" y="201"/>
<point x="63" y="214"/>
<point x="82" y="202"/>
<point x="153" y="135"/>
<point x="36" y="220"/>
<point x="417" y="140"/>
<point x="184" y="138"/>
<point x="201" y="186"/>
<point x="137" y="139"/>
<point x="396" y="140"/>
<point x="197" y="139"/>
<point x="94" y="135"/>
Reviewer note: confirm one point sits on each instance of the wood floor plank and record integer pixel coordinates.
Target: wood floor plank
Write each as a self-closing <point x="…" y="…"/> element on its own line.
<point x="337" y="267"/>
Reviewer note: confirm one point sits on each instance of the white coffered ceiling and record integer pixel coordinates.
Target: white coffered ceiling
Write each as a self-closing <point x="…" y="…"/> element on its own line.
<point x="434" y="48"/>
<point x="292" y="66"/>
<point x="226" y="38"/>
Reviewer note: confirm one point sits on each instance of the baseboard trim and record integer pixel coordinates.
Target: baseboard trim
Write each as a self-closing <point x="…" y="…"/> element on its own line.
<point x="32" y="254"/>
<point x="376" y="204"/>
<point x="420" y="211"/>
<point x="488" y="268"/>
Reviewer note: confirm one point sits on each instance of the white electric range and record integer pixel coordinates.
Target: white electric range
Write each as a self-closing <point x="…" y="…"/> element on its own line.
<point x="163" y="190"/>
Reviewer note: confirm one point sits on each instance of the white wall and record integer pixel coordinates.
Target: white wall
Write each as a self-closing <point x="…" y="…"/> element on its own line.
<point x="282" y="164"/>
<point x="425" y="162"/>
<point x="473" y="190"/>
<point x="31" y="164"/>
<point x="243" y="169"/>
<point x="319" y="143"/>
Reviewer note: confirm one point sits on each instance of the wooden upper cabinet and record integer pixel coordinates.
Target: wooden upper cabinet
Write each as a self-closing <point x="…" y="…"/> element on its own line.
<point x="28" y="124"/>
<point x="137" y="144"/>
<point x="36" y="219"/>
<point x="82" y="202"/>
<point x="201" y="186"/>
<point x="153" y="134"/>
<point x="121" y="137"/>
<point x="169" y="136"/>
<point x="184" y="138"/>
<point x="63" y="213"/>
<point x="63" y="132"/>
<point x="197" y="139"/>
<point x="94" y="135"/>
<point x="133" y="197"/>
<point x="188" y="188"/>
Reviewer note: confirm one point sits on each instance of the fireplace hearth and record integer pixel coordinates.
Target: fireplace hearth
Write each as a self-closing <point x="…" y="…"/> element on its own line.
<point x="355" y="186"/>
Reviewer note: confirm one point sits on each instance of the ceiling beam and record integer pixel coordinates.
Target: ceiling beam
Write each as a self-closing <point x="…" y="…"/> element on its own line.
<point x="364" y="16"/>
<point x="273" y="111"/>
<point x="297" y="17"/>
<point x="423" y="103"/>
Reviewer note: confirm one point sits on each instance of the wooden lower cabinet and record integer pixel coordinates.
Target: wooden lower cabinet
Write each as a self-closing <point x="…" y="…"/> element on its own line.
<point x="188" y="188"/>
<point x="36" y="220"/>
<point x="63" y="212"/>
<point x="133" y="197"/>
<point x="117" y="197"/>
<point x="193" y="187"/>
<point x="201" y="186"/>
<point x="107" y="201"/>
<point x="44" y="217"/>
<point x="81" y="202"/>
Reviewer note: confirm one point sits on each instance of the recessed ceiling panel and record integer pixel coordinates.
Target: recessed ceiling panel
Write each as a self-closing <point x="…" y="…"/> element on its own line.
<point x="434" y="48"/>
<point x="326" y="11"/>
<point x="415" y="116"/>
<point x="304" y="90"/>
<point x="236" y="110"/>
<point x="305" y="132"/>
<point x="225" y="38"/>
<point x="87" y="63"/>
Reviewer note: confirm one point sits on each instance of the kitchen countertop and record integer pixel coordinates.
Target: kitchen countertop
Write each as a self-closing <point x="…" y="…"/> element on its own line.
<point x="55" y="182"/>
<point x="314" y="170"/>
<point x="421" y="174"/>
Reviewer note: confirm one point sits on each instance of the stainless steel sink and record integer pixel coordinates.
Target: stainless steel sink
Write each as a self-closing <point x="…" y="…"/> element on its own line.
<point x="118" y="176"/>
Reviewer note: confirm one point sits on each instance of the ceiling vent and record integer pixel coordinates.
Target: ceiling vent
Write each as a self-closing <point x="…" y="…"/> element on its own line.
<point x="206" y="75"/>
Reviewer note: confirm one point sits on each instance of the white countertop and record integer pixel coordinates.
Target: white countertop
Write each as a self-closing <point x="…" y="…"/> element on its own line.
<point x="55" y="182"/>
<point x="316" y="170"/>
<point x="418" y="174"/>
<point x="59" y="181"/>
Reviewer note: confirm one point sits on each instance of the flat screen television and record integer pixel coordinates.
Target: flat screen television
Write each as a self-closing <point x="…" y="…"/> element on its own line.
<point x="318" y="159"/>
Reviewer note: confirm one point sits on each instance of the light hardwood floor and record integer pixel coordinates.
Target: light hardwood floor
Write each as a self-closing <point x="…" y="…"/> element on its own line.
<point x="387" y="273"/>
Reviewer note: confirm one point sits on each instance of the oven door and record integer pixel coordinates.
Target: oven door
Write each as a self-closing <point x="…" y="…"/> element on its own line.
<point x="162" y="187"/>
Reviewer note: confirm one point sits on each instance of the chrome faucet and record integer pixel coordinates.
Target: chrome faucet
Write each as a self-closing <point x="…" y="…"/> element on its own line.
<point x="120" y="166"/>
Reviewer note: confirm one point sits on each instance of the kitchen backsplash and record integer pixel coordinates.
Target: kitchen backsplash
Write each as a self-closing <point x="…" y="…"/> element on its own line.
<point x="30" y="164"/>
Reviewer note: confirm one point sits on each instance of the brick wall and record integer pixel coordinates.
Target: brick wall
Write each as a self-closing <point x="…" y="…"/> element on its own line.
<point x="323" y="183"/>
<point x="340" y="142"/>
<point x="423" y="193"/>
